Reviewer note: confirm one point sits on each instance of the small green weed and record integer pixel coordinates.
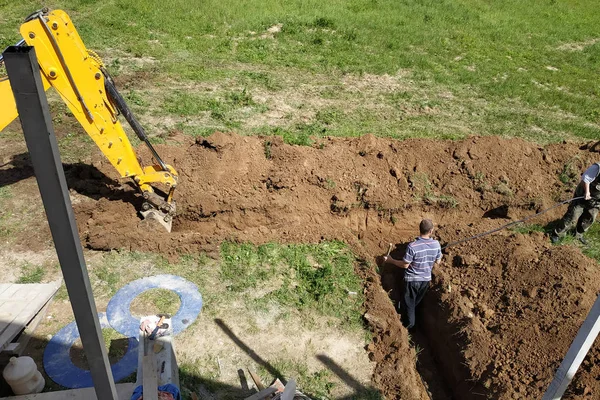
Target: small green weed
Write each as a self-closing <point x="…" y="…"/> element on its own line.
<point x="481" y="183"/>
<point x="31" y="273"/>
<point x="527" y="229"/>
<point x="424" y="191"/>
<point x="240" y="99"/>
<point x="134" y="97"/>
<point x="503" y="189"/>
<point x="446" y="201"/>
<point x="570" y="171"/>
<point x="62" y="293"/>
<point x="267" y="146"/>
<point x="296" y="137"/>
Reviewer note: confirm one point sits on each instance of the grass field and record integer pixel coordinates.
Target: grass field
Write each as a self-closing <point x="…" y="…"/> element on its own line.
<point x="441" y="69"/>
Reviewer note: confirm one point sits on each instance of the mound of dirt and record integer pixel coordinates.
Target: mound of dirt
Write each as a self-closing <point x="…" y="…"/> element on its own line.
<point x="505" y="308"/>
<point x="517" y="303"/>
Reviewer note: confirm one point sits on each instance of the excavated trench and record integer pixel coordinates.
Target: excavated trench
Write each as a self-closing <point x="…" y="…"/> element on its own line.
<point x="502" y="310"/>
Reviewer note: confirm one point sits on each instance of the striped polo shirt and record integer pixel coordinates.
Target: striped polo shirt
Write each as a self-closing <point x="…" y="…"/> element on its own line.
<point x="421" y="254"/>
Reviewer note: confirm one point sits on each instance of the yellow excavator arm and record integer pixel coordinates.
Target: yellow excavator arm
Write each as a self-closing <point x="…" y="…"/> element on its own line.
<point x="83" y="83"/>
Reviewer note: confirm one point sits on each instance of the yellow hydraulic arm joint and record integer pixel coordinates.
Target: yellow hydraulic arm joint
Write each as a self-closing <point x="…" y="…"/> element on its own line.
<point x="82" y="81"/>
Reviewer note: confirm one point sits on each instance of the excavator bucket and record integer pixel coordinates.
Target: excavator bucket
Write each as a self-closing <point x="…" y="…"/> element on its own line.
<point x="159" y="217"/>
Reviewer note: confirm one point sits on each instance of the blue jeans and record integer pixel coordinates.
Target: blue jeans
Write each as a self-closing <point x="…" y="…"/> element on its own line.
<point x="413" y="294"/>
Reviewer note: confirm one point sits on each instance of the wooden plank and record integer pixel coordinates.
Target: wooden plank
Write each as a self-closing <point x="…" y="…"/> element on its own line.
<point x="150" y="378"/>
<point x="10" y="291"/>
<point x="579" y="348"/>
<point x="256" y="379"/>
<point x="24" y="298"/>
<point x="12" y="348"/>
<point x="4" y="287"/>
<point x="262" y="394"/>
<point x="164" y="360"/>
<point x="124" y="390"/>
<point x="22" y="319"/>
<point x="17" y="348"/>
<point x="9" y="311"/>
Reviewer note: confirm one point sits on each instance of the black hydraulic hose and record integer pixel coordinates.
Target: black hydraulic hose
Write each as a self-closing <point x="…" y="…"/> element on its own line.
<point x="118" y="100"/>
<point x="510" y="224"/>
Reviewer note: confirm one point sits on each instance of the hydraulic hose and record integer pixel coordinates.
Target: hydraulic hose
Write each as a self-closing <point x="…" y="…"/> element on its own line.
<point x="511" y="223"/>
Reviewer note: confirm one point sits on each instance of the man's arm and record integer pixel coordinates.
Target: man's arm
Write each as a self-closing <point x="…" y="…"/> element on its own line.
<point x="586" y="185"/>
<point x="438" y="258"/>
<point x="398" y="263"/>
<point x="588" y="177"/>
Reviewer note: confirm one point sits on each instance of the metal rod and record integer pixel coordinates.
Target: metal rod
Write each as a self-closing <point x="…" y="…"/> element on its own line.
<point x="19" y="43"/>
<point x="579" y="348"/>
<point x="32" y="105"/>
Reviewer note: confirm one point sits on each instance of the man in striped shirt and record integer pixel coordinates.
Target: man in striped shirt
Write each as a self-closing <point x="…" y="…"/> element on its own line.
<point x="421" y="255"/>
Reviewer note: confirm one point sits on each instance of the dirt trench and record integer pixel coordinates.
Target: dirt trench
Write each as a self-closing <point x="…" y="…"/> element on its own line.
<point x="502" y="310"/>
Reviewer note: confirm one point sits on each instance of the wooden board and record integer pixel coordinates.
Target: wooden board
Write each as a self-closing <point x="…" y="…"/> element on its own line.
<point x="19" y="304"/>
<point x="164" y="360"/>
<point x="124" y="390"/>
<point x="16" y="347"/>
<point x="150" y="378"/>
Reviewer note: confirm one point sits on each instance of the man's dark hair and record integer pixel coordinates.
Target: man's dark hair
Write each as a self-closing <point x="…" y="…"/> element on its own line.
<point x="425" y="226"/>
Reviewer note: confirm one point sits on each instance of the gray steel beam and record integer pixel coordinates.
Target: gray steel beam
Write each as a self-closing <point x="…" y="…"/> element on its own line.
<point x="32" y="105"/>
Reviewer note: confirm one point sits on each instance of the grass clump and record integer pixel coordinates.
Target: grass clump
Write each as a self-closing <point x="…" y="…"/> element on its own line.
<point x="31" y="273"/>
<point x="424" y="192"/>
<point x="156" y="301"/>
<point x="570" y="171"/>
<point x="527" y="229"/>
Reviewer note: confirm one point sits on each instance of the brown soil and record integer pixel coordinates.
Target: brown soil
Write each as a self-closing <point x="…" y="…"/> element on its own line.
<point x="503" y="309"/>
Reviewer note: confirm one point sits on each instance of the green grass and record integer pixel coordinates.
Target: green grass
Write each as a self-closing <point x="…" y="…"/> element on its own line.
<point x="112" y="341"/>
<point x="5" y="193"/>
<point x="31" y="273"/>
<point x="415" y="68"/>
<point x="527" y="228"/>
<point x="593" y="238"/>
<point x="592" y="249"/>
<point x="157" y="301"/>
<point x="304" y="276"/>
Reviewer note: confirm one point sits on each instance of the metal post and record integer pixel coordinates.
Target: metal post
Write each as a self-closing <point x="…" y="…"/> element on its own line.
<point x="579" y="348"/>
<point x="32" y="104"/>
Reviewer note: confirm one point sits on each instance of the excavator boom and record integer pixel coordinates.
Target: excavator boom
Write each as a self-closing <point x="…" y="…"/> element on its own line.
<point x="83" y="83"/>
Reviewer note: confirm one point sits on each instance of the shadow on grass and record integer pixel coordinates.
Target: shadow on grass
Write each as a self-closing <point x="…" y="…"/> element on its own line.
<point x="205" y="387"/>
